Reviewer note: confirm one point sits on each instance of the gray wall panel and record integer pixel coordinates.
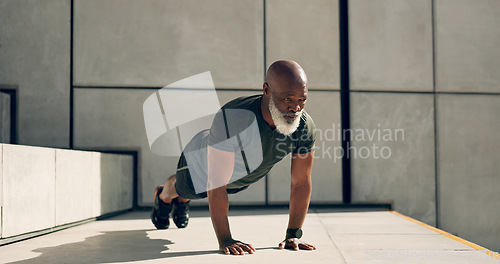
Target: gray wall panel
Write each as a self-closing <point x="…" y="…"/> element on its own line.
<point x="324" y="108"/>
<point x="112" y="119"/>
<point x="157" y="42"/>
<point x="1" y="188"/>
<point x="401" y="166"/>
<point x="116" y="173"/>
<point x="35" y="51"/>
<point x="99" y="126"/>
<point x="467" y="45"/>
<point x="5" y="121"/>
<point x="307" y="33"/>
<point x="226" y="96"/>
<point x="468" y="167"/>
<point x="279" y="182"/>
<point x="390" y="45"/>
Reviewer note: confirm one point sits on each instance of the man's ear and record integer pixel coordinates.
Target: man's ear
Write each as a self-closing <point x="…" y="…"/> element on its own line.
<point x="265" y="87"/>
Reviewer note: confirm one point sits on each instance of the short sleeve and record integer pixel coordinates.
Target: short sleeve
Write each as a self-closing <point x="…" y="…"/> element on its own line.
<point x="232" y="128"/>
<point x="219" y="137"/>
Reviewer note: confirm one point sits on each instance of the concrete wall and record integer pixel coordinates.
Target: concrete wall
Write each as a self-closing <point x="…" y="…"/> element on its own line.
<point x="317" y="51"/>
<point x="112" y="48"/>
<point x="307" y="33"/>
<point x="5" y="122"/>
<point x="182" y="39"/>
<point x="467" y="40"/>
<point x="431" y="69"/>
<point x="468" y="170"/>
<point x="390" y="45"/>
<point x="44" y="187"/>
<point x="390" y="54"/>
<point x="428" y="68"/>
<point x="35" y="57"/>
<point x="122" y="127"/>
<point x="137" y="44"/>
<point x="467" y="65"/>
<point x="397" y="163"/>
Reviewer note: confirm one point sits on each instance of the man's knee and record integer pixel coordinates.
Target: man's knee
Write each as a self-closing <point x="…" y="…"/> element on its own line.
<point x="172" y="178"/>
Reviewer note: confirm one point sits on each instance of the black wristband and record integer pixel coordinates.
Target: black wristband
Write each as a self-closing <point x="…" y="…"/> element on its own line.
<point x="293" y="233"/>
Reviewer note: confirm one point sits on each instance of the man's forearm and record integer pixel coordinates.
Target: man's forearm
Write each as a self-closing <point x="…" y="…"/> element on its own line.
<point x="300" y="195"/>
<point x="218" y="203"/>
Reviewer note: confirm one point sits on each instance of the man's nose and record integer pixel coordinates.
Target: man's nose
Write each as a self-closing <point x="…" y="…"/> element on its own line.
<point x="295" y="107"/>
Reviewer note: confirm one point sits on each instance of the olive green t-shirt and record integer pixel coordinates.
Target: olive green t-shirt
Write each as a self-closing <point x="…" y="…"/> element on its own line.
<point x="258" y="156"/>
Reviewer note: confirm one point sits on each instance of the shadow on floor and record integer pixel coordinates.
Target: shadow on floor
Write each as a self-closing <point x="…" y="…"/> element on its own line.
<point x="110" y="247"/>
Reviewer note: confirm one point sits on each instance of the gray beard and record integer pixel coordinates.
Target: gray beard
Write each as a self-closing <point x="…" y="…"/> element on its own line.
<point x="282" y="125"/>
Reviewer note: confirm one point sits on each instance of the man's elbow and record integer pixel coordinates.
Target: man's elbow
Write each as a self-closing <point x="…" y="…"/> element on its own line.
<point x="306" y="184"/>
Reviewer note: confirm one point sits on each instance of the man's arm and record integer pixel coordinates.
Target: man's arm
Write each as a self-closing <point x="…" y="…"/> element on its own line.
<point x="300" y="195"/>
<point x="220" y="169"/>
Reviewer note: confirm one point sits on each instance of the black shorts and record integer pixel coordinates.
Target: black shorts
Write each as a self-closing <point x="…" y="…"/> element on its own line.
<point x="184" y="184"/>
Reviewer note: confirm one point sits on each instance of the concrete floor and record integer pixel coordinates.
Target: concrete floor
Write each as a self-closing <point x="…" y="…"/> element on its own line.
<point x="341" y="236"/>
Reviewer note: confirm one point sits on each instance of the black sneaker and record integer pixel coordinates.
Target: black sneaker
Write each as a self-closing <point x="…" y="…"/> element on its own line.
<point x="180" y="213"/>
<point x="161" y="211"/>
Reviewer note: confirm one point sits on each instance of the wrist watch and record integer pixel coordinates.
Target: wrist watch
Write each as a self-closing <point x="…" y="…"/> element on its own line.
<point x="293" y="233"/>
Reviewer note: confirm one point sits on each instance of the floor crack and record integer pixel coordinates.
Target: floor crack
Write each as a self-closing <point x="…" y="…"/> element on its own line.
<point x="329" y="236"/>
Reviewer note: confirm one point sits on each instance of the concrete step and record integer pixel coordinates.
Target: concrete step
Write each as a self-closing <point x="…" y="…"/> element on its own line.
<point x="42" y="188"/>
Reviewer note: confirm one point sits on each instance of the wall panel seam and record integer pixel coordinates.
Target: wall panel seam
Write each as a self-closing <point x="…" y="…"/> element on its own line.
<point x="434" y="97"/>
<point x="426" y="92"/>
<point x="264" y="38"/>
<point x="345" y="114"/>
<point x="139" y="88"/>
<point x="71" y="68"/>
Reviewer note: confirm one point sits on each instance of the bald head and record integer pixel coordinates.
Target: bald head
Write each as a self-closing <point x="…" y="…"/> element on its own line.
<point x="286" y="72"/>
<point x="285" y="95"/>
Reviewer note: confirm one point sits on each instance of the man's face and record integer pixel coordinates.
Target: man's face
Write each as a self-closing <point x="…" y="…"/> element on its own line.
<point x="286" y="104"/>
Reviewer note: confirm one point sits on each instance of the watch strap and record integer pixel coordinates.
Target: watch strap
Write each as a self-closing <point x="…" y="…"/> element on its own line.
<point x="293" y="233"/>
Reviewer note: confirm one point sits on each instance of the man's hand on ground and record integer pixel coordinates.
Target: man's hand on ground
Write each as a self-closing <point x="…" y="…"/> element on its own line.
<point x="295" y="244"/>
<point x="231" y="246"/>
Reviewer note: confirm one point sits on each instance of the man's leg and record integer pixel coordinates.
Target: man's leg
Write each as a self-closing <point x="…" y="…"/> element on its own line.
<point x="169" y="193"/>
<point x="169" y="198"/>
